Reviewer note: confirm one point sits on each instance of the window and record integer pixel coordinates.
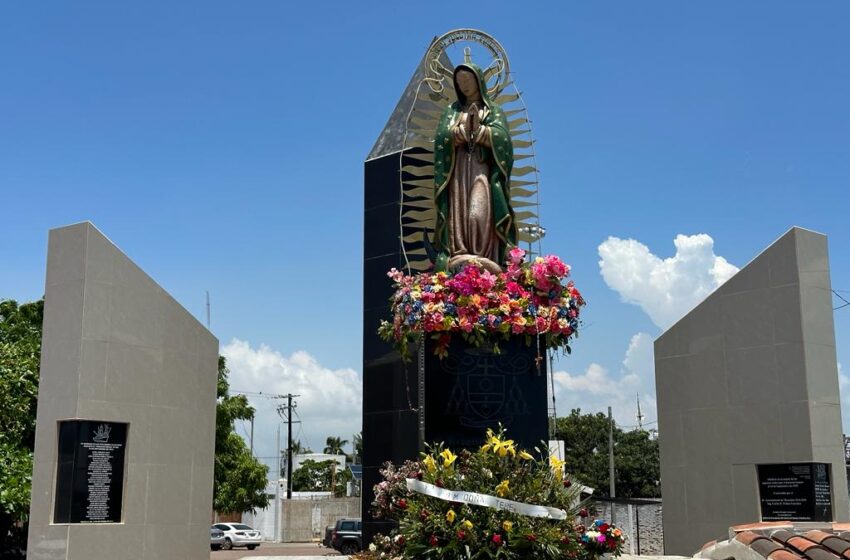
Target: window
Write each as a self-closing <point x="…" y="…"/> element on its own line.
<point x="347" y="526"/>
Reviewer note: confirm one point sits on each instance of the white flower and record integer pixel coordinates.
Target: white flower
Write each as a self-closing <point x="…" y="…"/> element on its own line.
<point x="372" y="547"/>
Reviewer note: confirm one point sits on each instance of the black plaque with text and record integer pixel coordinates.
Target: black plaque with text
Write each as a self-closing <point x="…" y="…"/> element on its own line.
<point x="795" y="492"/>
<point x="90" y="472"/>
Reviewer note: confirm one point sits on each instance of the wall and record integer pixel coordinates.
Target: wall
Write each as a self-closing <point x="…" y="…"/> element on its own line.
<point x="305" y="520"/>
<point x="117" y="347"/>
<point x="748" y="377"/>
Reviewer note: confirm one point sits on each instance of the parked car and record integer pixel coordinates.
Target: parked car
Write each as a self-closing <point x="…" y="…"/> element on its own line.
<point x="329" y="533"/>
<point x="347" y="536"/>
<point x="238" y="534"/>
<point x="216" y="538"/>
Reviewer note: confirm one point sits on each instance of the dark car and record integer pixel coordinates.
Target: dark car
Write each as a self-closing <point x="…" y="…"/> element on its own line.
<point x="329" y="533"/>
<point x="347" y="536"/>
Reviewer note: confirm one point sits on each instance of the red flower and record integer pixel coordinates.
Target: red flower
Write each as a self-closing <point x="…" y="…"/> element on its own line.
<point x="399" y="540"/>
<point x="531" y="538"/>
<point x="438" y="483"/>
<point x="433" y="541"/>
<point x="461" y="535"/>
<point x="582" y="513"/>
<point x="565" y="540"/>
<point x="567" y="483"/>
<point x="497" y="539"/>
<point x="402" y="504"/>
<point x="423" y="515"/>
<point x="604" y="528"/>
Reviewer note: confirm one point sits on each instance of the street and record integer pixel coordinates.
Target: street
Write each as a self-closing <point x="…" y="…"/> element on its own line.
<point x="274" y="549"/>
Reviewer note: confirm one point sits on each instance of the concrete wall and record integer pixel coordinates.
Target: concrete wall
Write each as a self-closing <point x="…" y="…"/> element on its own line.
<point x="305" y="520"/>
<point x="117" y="347"/>
<point x="748" y="377"/>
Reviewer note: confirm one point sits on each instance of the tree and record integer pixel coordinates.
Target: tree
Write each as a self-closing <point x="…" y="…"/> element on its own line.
<point x="334" y="445"/>
<point x="319" y="476"/>
<point x="636" y="457"/>
<point x="299" y="449"/>
<point x="20" y="353"/>
<point x="239" y="480"/>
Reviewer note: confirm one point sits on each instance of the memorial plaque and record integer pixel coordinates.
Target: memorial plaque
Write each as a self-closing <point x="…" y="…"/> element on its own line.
<point x="795" y="492"/>
<point x="90" y="472"/>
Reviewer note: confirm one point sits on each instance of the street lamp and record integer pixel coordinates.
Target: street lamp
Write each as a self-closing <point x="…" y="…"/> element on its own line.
<point x="534" y="232"/>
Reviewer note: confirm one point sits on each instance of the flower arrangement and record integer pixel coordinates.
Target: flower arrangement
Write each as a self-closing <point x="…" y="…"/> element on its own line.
<point x="506" y="482"/>
<point x="531" y="299"/>
<point x="602" y="538"/>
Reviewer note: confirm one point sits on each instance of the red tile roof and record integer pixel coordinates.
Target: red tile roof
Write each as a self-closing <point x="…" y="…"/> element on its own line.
<point x="782" y="541"/>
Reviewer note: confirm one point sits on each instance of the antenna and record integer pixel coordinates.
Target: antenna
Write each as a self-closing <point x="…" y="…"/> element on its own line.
<point x="208" y="309"/>
<point x="640" y="415"/>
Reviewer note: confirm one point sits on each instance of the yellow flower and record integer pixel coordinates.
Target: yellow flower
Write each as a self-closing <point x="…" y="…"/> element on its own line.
<point x="450" y="516"/>
<point x="505" y="447"/>
<point x="502" y="489"/>
<point x="466" y="524"/>
<point x="526" y="455"/>
<point x="448" y="457"/>
<point x="430" y="464"/>
<point x="557" y="465"/>
<point x="491" y="441"/>
<point x="507" y="526"/>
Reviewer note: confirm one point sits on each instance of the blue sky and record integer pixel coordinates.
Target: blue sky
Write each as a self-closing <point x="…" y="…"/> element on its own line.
<point x="221" y="146"/>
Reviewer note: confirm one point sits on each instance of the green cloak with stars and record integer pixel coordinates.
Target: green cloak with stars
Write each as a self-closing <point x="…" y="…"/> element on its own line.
<point x="500" y="156"/>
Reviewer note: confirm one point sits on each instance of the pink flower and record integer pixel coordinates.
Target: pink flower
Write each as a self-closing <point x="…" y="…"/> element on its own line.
<point x="516" y="255"/>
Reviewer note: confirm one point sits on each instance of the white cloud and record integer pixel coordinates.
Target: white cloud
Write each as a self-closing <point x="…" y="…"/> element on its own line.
<point x="668" y="288"/>
<point x="329" y="403"/>
<point x="594" y="380"/>
<point x="596" y="388"/>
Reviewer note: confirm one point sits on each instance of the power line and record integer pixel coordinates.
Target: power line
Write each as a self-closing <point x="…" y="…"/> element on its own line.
<point x="839" y="296"/>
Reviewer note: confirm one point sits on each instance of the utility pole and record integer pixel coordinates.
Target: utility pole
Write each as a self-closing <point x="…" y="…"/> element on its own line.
<point x="208" y="310"/>
<point x="277" y="492"/>
<point x="252" y="435"/>
<point x="611" y="484"/>
<point x="640" y="415"/>
<point x="288" y="409"/>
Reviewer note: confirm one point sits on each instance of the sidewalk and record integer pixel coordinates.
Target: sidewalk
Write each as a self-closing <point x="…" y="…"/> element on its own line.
<point x="292" y="551"/>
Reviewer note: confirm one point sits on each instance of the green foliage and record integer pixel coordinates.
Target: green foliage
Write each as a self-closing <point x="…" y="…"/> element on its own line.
<point x="636" y="457"/>
<point x="320" y="476"/>
<point x="434" y="528"/>
<point x="334" y="445"/>
<point x="20" y="354"/>
<point x="300" y="449"/>
<point x="239" y="481"/>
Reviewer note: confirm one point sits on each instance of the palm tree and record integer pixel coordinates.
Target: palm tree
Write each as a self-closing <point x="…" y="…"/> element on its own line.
<point x="333" y="445"/>
<point x="299" y="449"/>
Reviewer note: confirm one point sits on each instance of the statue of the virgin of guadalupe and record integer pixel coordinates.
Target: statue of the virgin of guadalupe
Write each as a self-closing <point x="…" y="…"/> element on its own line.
<point x="473" y="157"/>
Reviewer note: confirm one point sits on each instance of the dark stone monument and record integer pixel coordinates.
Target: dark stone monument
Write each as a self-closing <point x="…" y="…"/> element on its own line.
<point x="795" y="492"/>
<point x="454" y="400"/>
<point x="473" y="389"/>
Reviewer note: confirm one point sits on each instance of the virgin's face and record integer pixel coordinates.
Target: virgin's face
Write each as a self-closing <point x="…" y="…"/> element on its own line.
<point x="468" y="84"/>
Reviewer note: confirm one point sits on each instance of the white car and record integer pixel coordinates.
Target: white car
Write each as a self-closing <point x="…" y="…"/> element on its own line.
<point x="237" y="534"/>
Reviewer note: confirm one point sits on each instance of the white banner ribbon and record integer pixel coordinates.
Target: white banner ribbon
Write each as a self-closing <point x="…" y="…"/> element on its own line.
<point x="484" y="500"/>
